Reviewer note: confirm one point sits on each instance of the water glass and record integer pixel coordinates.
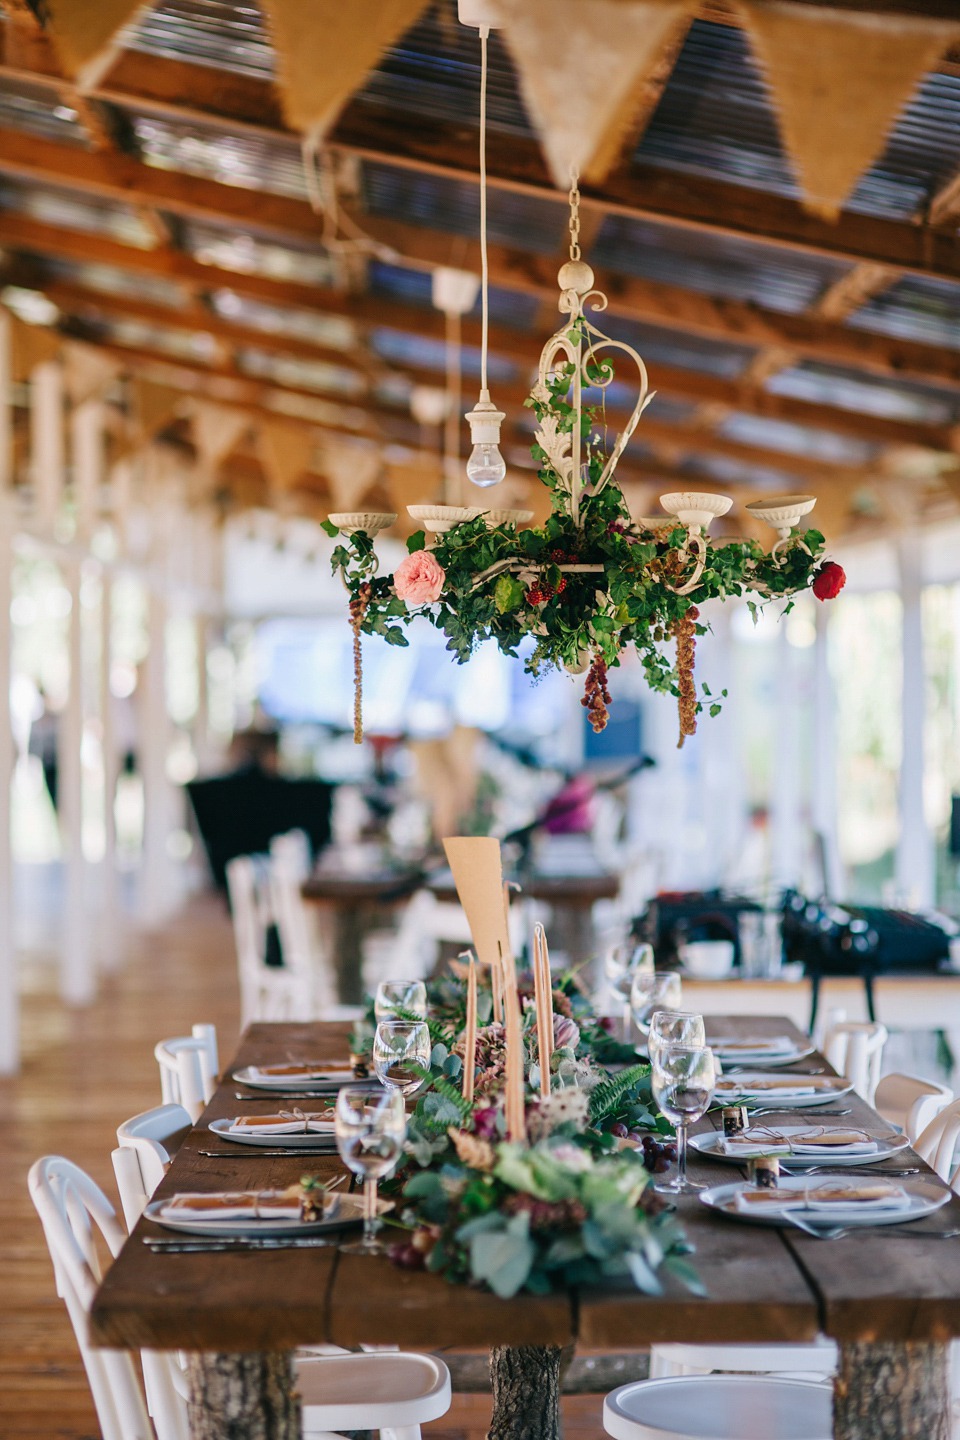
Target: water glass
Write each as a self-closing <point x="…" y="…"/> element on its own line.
<point x="683" y="1081"/>
<point x="620" y="966"/>
<point x="651" y="991"/>
<point x="395" y="995"/>
<point x="370" y="1126"/>
<point x="401" y="1052"/>
<point x="675" y="1027"/>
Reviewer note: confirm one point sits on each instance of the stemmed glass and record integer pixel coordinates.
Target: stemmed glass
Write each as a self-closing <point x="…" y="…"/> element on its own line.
<point x="675" y="1027"/>
<point x="651" y="991"/>
<point x="396" y="995"/>
<point x="683" y="1082"/>
<point x="620" y="966"/>
<point x="370" y="1126"/>
<point x="401" y="1052"/>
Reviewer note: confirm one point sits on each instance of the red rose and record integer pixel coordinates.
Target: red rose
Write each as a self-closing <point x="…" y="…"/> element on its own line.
<point x="829" y="581"/>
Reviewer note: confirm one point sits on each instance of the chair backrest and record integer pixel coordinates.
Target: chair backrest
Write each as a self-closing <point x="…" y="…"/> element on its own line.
<point x="937" y="1142"/>
<point x="70" y="1205"/>
<point x="146" y="1144"/>
<point x="855" y="1049"/>
<point x="294" y="849"/>
<point x="185" y="1075"/>
<point x="910" y="1102"/>
<point x="304" y="957"/>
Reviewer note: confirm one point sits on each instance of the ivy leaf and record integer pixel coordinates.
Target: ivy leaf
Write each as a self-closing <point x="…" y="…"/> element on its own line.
<point x="416" y="541"/>
<point x="331" y="529"/>
<point x="508" y="594"/>
<point x="715" y="709"/>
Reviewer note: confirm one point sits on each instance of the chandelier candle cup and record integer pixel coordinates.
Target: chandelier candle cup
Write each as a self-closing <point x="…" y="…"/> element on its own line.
<point x="401" y="1053"/>
<point x="370" y="1126"/>
<point x="683" y="1079"/>
<point x="651" y="991"/>
<point x="396" y="995"/>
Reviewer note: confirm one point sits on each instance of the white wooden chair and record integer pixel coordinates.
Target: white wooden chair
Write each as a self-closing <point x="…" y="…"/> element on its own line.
<point x="909" y="1102"/>
<point x="855" y="1049"/>
<point x="937" y="1142"/>
<point x="70" y="1205"/>
<point x="412" y="951"/>
<point x="796" y="1362"/>
<point x="293" y="849"/>
<point x="146" y="1144"/>
<point x="188" y="1069"/>
<point x="720" y="1407"/>
<point x="307" y="959"/>
<point x="393" y="1392"/>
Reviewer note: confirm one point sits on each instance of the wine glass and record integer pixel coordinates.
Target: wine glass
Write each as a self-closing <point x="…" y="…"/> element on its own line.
<point x="620" y="965"/>
<point x="683" y="1082"/>
<point x="370" y="1126"/>
<point x="675" y="1027"/>
<point x="401" y="1052"/>
<point x="395" y="995"/>
<point x="652" y="991"/>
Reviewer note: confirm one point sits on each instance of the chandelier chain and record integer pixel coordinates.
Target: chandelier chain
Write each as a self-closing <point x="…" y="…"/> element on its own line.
<point x="574" y="215"/>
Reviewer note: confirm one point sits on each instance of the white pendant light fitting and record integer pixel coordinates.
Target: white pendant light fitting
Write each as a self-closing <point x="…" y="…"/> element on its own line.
<point x="486" y="466"/>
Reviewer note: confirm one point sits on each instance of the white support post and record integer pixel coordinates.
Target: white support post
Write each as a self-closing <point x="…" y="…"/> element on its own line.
<point x="785" y="811"/>
<point x="9" y="989"/>
<point x="46" y="440"/>
<point x="77" y="984"/>
<point x="915" y="861"/>
<point x="201" y="721"/>
<point x="154" y="727"/>
<point x="823" y="785"/>
<point x="111" y="923"/>
<point x="86" y="445"/>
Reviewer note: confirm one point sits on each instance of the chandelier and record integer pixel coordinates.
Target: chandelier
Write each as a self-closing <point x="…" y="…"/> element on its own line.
<point x="593" y="579"/>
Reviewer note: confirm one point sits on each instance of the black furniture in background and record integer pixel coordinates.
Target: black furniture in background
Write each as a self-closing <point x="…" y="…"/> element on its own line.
<point x="239" y="813"/>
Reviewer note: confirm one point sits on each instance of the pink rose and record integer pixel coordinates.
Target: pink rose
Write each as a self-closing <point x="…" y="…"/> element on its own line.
<point x="419" y="578"/>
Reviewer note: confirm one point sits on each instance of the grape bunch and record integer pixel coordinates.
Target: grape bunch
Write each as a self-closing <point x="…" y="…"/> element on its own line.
<point x="658" y="1153"/>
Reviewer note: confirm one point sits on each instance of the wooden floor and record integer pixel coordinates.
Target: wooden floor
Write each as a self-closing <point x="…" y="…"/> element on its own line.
<point x="85" y="1071"/>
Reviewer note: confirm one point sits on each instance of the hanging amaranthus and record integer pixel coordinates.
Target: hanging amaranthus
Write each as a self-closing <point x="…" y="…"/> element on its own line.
<point x="596" y="696"/>
<point x="358" y="609"/>
<point x="684" y="630"/>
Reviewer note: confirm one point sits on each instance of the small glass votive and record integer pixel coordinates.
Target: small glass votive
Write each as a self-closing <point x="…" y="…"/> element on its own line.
<point x="764" y="1171"/>
<point x="735" y="1119"/>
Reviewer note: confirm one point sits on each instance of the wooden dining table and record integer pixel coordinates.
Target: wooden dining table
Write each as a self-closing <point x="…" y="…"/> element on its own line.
<point x="890" y="1300"/>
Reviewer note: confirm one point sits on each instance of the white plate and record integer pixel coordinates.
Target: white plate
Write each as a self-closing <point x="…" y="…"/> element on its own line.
<point x="747" y="1093"/>
<point x="313" y="1140"/>
<point x="349" y="1211"/>
<point x="762" y="1057"/>
<point x="332" y="1080"/>
<point x="887" y="1145"/>
<point x="925" y="1197"/>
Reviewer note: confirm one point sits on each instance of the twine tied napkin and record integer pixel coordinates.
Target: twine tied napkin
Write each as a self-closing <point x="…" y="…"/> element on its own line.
<point x="838" y="1198"/>
<point x="235" y="1205"/>
<point x="817" y="1140"/>
<point x="288" y="1122"/>
<point x="304" y="1070"/>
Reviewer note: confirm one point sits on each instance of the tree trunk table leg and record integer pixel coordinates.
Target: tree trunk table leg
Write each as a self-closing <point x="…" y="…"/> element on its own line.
<point x="526" y="1392"/>
<point x="892" y="1391"/>
<point x="243" y="1397"/>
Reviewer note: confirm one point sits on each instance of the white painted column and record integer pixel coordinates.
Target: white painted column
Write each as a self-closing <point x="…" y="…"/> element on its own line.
<point x="823" y="780"/>
<point x="46" y="440"/>
<point x="786" y="821"/>
<point x="9" y="989"/>
<point x="77" y="982"/>
<point x="915" y="862"/>
<point x="201" y="721"/>
<point x="86" y="445"/>
<point x="154" y="727"/>
<point x="111" y="918"/>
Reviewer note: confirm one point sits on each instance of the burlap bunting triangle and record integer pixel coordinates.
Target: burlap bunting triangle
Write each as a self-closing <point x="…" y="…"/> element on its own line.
<point x="351" y="467"/>
<point x="839" y="79"/>
<point x="156" y="405"/>
<point x="285" y="450"/>
<point x="86" y="34"/>
<point x="216" y="429"/>
<point x="582" y="66"/>
<point x="32" y="345"/>
<point x="87" y="371"/>
<point x="325" y="49"/>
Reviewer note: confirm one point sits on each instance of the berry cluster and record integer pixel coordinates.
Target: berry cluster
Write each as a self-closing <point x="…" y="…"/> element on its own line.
<point x="596" y="696"/>
<point x="657" y="1153"/>
<point x="411" y="1254"/>
<point x="547" y="1214"/>
<point x="538" y="593"/>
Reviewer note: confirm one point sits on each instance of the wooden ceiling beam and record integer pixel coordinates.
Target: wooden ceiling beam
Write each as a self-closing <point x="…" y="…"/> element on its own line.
<point x="854" y="289"/>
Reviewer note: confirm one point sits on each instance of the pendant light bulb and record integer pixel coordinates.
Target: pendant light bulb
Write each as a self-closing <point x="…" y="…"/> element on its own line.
<point x="486" y="465"/>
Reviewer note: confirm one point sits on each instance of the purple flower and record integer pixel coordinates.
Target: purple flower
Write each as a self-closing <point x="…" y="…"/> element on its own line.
<point x="565" y="1032"/>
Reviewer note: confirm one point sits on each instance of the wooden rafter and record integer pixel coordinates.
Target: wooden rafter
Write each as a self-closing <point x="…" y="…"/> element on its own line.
<point x="854" y="289"/>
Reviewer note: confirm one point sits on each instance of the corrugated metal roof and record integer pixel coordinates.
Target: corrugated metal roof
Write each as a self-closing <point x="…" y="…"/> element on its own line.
<point x="726" y="471"/>
<point x="915" y="308"/>
<point x="206" y="32"/>
<point x="415" y="287"/>
<point x="252" y="162"/>
<point x="424" y="353"/>
<point x="197" y="346"/>
<point x="672" y="347"/>
<point x="722" y="265"/>
<point x="300" y="374"/>
<point x="524" y="221"/>
<point x="850" y="389"/>
<point x="332" y="332"/>
<point x="125" y="284"/>
<point x="771" y="434"/>
<point x="239" y="250"/>
<point x="38" y="110"/>
<point x="73" y="210"/>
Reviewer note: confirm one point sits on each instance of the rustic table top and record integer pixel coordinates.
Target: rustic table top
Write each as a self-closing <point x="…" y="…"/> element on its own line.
<point x="763" y="1284"/>
<point x="345" y="889"/>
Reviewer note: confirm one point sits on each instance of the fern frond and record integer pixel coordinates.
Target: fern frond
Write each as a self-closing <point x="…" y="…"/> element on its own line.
<point x="607" y="1096"/>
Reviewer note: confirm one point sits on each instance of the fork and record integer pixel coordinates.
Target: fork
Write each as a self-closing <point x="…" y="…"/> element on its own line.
<point x="837" y="1232"/>
<point x="803" y="1110"/>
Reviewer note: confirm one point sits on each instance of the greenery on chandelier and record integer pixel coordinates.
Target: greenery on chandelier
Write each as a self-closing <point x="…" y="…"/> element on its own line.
<point x="511" y="584"/>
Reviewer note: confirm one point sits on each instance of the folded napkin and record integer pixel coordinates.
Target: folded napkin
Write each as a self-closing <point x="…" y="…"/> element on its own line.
<point x="838" y="1197"/>
<point x="743" y="1085"/>
<point x="305" y="1070"/>
<point x="235" y="1205"/>
<point x="778" y="1045"/>
<point x="818" y="1140"/>
<point x="288" y="1122"/>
